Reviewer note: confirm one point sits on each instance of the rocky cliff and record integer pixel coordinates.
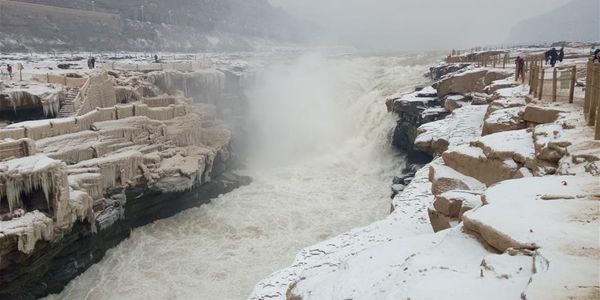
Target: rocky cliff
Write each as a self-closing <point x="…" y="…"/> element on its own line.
<point x="83" y="183"/>
<point x="175" y="25"/>
<point x="512" y="197"/>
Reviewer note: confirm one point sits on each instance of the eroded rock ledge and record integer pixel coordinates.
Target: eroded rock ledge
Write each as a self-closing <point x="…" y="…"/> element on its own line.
<point x="512" y="196"/>
<point x="72" y="188"/>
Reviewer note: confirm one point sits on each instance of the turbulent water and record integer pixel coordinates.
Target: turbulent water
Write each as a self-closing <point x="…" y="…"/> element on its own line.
<point x="321" y="165"/>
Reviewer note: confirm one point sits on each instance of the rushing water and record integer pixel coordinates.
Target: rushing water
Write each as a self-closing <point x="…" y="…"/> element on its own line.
<point x="322" y="165"/>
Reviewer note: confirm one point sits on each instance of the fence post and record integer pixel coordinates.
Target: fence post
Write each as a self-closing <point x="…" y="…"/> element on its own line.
<point x="504" y="62"/>
<point x="588" y="84"/>
<point x="47" y="78"/>
<point x="541" y="83"/>
<point x="536" y="72"/>
<point x="597" y="95"/>
<point x="572" y="87"/>
<point x="554" y="77"/>
<point x="594" y="94"/>
<point x="494" y="62"/>
<point x="597" y="88"/>
<point x="530" y="80"/>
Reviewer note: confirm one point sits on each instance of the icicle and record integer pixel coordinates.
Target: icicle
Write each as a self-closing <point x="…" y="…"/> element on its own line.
<point x="26" y="174"/>
<point x="126" y="94"/>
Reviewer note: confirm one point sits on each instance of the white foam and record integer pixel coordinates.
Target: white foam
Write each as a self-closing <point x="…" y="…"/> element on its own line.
<point x="325" y="168"/>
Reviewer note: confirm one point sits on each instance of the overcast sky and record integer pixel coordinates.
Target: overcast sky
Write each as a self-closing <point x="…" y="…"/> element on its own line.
<point x="417" y="24"/>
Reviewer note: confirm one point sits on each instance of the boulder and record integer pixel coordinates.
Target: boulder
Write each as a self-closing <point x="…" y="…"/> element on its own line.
<point x="442" y="70"/>
<point x="479" y="98"/>
<point x="541" y="115"/>
<point x="470" y="81"/>
<point x="471" y="161"/>
<point x="413" y="111"/>
<point x="444" y="179"/>
<point x="555" y="218"/>
<point x="438" y="220"/>
<point x="540" y="167"/>
<point x="556" y="223"/>
<point x="469" y="203"/>
<point x="454" y="101"/>
<point x="462" y="126"/>
<point x="508" y="145"/>
<point x="504" y="120"/>
<point x="583" y="158"/>
<point x="498" y="85"/>
<point x="523" y="173"/>
<point x="427" y="92"/>
<point x="450" y="203"/>
<point x="505" y="103"/>
<point x="496" y="74"/>
<point x="547" y="188"/>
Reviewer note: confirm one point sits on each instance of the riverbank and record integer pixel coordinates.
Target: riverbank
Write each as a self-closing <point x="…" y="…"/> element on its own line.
<point x="134" y="147"/>
<point x="512" y="194"/>
<point x="320" y="165"/>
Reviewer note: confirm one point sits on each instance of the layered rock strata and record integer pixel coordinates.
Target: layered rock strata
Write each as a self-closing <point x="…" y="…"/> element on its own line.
<point x="72" y="188"/>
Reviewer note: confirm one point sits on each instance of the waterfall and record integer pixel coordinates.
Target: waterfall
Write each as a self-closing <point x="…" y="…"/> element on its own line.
<point x="321" y="165"/>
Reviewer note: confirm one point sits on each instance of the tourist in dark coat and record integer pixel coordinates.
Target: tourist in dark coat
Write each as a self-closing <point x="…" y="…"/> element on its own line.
<point x="547" y="56"/>
<point x="597" y="55"/>
<point x="553" y="57"/>
<point x="561" y="54"/>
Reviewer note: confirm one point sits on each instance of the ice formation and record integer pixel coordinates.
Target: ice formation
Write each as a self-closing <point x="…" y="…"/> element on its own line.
<point x="49" y="100"/>
<point x="73" y="163"/>
<point x="23" y="175"/>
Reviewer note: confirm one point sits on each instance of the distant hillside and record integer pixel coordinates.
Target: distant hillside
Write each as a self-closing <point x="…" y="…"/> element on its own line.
<point x="578" y="20"/>
<point x="145" y="25"/>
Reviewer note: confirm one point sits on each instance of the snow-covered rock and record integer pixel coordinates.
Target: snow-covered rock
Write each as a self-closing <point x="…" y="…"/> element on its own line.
<point x="471" y="161"/>
<point x="444" y="178"/>
<point x="541" y="115"/>
<point x="469" y="81"/>
<point x="462" y="126"/>
<point x="557" y="219"/>
<point x="504" y="120"/>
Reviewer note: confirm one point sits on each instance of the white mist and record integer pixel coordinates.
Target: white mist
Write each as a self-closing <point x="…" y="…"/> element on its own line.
<point x="321" y="166"/>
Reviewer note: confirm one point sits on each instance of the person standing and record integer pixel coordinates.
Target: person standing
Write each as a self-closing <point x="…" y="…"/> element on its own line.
<point x="597" y="55"/>
<point x="9" y="69"/>
<point x="520" y="62"/>
<point x="155" y="58"/>
<point x="553" y="57"/>
<point x="561" y="54"/>
<point x="93" y="62"/>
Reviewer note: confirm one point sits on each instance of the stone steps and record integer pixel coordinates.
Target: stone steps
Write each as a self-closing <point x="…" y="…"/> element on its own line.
<point x="67" y="110"/>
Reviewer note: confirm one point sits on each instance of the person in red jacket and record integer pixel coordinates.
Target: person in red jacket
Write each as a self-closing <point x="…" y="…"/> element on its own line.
<point x="520" y="62"/>
<point x="449" y="59"/>
<point x="9" y="69"/>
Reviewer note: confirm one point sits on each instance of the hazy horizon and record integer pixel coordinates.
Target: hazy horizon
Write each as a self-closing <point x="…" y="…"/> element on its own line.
<point x="416" y="25"/>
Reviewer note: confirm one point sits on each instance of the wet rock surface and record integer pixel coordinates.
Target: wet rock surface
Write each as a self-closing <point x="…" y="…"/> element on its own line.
<point x="51" y="266"/>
